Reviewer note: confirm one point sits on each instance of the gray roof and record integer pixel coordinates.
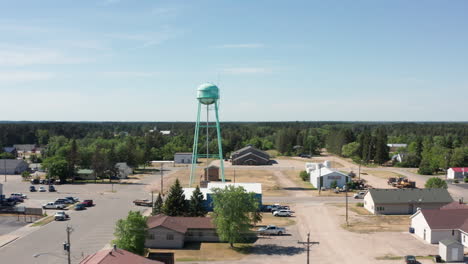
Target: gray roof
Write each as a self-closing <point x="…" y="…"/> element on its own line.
<point x="122" y="165"/>
<point x="24" y="147"/>
<point x="10" y="163"/>
<point x="403" y="196"/>
<point x="449" y="242"/>
<point x="251" y="148"/>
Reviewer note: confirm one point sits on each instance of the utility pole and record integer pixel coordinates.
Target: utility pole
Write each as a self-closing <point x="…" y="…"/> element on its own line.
<point x="308" y="244"/>
<point x="152" y="197"/>
<point x="346" y="194"/>
<point x="162" y="182"/>
<point x="66" y="245"/>
<point x="359" y="174"/>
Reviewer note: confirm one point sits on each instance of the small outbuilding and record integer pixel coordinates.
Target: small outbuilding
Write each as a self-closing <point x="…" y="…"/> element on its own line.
<point x="250" y="156"/>
<point x="322" y="176"/>
<point x="85" y="174"/>
<point x="457" y="173"/>
<point x="451" y="250"/>
<point x="183" y="158"/>
<point x="211" y="173"/>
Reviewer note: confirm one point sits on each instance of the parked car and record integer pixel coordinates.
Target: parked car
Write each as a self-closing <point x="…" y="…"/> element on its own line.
<point x="144" y="202"/>
<point x="271" y="230"/>
<point x="88" y="203"/>
<point x="52" y="205"/>
<point x="410" y="259"/>
<point x="52" y="188"/>
<point x="282" y="213"/>
<point x="359" y="195"/>
<point x="18" y="199"/>
<point x="34" y="181"/>
<point x="32" y="188"/>
<point x="24" y="196"/>
<point x="80" y="207"/>
<point x="42" y="181"/>
<point x="61" y="216"/>
<point x="9" y="202"/>
<point x="73" y="199"/>
<point x="273" y="208"/>
<point x="61" y="201"/>
<point x="42" y="189"/>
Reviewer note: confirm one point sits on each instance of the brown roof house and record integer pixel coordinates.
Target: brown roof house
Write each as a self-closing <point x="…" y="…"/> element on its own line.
<point x="173" y="231"/>
<point x="116" y="256"/>
<point x="404" y="201"/>
<point x="250" y="156"/>
<point x="447" y="222"/>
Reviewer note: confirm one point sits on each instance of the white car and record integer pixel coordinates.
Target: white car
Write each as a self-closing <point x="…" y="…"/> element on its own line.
<point x="19" y="195"/>
<point x="52" y="205"/>
<point x="60" y="216"/>
<point x="271" y="230"/>
<point x="359" y="195"/>
<point x="42" y="189"/>
<point x="282" y="213"/>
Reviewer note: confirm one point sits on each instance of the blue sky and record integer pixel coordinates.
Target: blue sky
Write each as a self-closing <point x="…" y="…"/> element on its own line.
<point x="123" y="60"/>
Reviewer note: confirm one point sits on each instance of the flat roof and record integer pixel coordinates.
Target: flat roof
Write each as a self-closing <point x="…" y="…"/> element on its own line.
<point x="248" y="186"/>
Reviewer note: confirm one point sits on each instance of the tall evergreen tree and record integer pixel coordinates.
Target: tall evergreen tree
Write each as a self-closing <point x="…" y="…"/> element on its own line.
<point x="175" y="204"/>
<point x="196" y="207"/>
<point x="381" y="148"/>
<point x="72" y="159"/>
<point x="158" y="205"/>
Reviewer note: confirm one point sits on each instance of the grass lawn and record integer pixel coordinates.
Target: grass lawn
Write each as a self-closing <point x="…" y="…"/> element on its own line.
<point x="269" y="219"/>
<point x="378" y="223"/>
<point x="383" y="174"/>
<point x="208" y="252"/>
<point x="44" y="221"/>
<point x="293" y="175"/>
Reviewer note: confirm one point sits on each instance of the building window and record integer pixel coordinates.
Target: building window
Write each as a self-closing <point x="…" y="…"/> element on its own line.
<point x="151" y="236"/>
<point x="170" y="237"/>
<point x="200" y="234"/>
<point x="453" y="232"/>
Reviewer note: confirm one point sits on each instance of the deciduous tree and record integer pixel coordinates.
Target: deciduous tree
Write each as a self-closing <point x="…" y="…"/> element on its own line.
<point x="130" y="233"/>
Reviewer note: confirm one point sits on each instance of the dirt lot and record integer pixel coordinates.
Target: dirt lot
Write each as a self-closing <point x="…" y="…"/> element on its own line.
<point x="270" y="185"/>
<point x="382" y="174"/>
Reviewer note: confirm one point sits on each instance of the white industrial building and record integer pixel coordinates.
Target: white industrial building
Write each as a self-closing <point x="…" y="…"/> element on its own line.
<point x="457" y="173"/>
<point x="321" y="175"/>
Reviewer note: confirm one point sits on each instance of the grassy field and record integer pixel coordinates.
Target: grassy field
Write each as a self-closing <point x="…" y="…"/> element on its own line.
<point x="207" y="252"/>
<point x="378" y="223"/>
<point x="293" y="175"/>
<point x="270" y="186"/>
<point x="44" y="221"/>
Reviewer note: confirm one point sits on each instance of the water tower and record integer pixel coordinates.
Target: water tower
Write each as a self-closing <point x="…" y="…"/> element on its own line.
<point x="208" y="95"/>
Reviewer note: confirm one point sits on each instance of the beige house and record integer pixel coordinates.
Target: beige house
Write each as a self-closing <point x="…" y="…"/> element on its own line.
<point x="172" y="232"/>
<point x="447" y="222"/>
<point x="404" y="201"/>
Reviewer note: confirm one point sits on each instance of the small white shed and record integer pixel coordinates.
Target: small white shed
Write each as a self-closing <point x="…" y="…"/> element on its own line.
<point x="451" y="250"/>
<point x="183" y="158"/>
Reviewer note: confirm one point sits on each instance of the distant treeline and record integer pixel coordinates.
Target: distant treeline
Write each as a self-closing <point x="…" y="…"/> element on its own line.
<point x="133" y="142"/>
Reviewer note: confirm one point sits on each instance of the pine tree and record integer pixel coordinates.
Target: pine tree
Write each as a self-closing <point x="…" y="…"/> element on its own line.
<point x="381" y="148"/>
<point x="158" y="205"/>
<point x="175" y="204"/>
<point x="196" y="207"/>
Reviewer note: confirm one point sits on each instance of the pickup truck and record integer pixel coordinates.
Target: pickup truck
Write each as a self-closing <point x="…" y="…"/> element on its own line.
<point x="359" y="195"/>
<point x="52" y="205"/>
<point x="271" y="230"/>
<point x="144" y="202"/>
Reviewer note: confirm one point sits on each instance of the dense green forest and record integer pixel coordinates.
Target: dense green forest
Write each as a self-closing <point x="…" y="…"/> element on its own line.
<point x="70" y="145"/>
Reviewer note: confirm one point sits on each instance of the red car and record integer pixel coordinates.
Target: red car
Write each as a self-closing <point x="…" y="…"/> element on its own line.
<point x="87" y="203"/>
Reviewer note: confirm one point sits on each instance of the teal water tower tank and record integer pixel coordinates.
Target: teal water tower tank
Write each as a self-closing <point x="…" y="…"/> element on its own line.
<point x="207" y="93"/>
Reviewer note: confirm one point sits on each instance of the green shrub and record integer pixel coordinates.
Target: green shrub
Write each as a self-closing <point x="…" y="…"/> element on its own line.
<point x="465" y="180"/>
<point x="334" y="184"/>
<point x="455" y="181"/>
<point x="304" y="176"/>
<point x="360" y="204"/>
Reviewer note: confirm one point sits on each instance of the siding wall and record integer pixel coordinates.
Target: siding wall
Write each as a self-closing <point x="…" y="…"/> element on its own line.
<point x="464" y="239"/>
<point x="369" y="203"/>
<point x="183" y="158"/>
<point x="419" y="224"/>
<point x="402" y="209"/>
<point x="157" y="238"/>
<point x="201" y="235"/>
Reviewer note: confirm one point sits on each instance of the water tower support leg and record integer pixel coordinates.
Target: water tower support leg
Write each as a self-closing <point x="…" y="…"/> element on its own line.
<point x="195" y="147"/>
<point x="220" y="143"/>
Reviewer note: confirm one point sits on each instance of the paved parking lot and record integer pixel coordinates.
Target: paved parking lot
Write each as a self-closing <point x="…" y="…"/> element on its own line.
<point x="93" y="228"/>
<point x="10" y="223"/>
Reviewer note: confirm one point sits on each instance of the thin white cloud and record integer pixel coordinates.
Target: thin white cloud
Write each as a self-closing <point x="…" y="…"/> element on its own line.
<point x="132" y="74"/>
<point x="24" y="76"/>
<point x="241" y="46"/>
<point x="246" y="70"/>
<point x="25" y="57"/>
<point x="144" y="40"/>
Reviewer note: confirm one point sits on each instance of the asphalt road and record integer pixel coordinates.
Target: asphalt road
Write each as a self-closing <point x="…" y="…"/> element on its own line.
<point x="92" y="228"/>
